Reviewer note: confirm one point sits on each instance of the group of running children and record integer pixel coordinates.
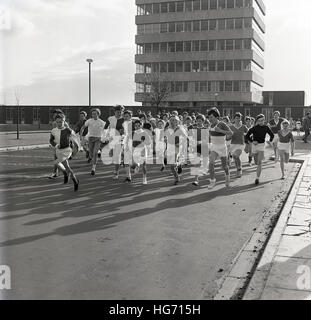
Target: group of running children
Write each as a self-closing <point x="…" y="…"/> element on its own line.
<point x="175" y="140"/>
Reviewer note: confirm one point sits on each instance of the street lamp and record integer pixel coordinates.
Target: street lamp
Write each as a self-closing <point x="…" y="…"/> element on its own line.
<point x="89" y="61"/>
<point x="216" y="97"/>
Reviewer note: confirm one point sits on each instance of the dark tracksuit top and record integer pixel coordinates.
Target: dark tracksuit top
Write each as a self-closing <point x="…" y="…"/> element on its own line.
<point x="258" y="133"/>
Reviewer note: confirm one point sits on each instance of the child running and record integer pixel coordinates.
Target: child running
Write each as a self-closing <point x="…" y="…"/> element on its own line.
<point x="55" y="113"/>
<point x="113" y="132"/>
<point x="176" y="137"/>
<point x="160" y="143"/>
<point x="60" y="140"/>
<point x="237" y="142"/>
<point x="257" y="136"/>
<point x="95" y="131"/>
<point x="141" y="142"/>
<point x="218" y="132"/>
<point x="248" y="146"/>
<point x="199" y="140"/>
<point x="275" y="126"/>
<point x="128" y="128"/>
<point x="285" y="145"/>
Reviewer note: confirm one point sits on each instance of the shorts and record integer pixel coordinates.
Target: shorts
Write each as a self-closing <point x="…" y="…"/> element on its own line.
<point x="236" y="147"/>
<point x="63" y="154"/>
<point x="284" y="147"/>
<point x="94" y="144"/>
<point x="220" y="149"/>
<point x="140" y="155"/>
<point x="260" y="147"/>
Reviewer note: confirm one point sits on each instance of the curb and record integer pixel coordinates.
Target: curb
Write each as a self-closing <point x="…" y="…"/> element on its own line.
<point x="241" y="272"/>
<point x="260" y="276"/>
<point x="19" y="148"/>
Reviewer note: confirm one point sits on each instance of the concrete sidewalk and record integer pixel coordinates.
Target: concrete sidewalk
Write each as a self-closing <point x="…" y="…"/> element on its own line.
<point x="284" y="270"/>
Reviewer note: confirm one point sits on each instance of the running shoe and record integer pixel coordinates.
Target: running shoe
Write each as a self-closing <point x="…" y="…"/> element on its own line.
<point x="75" y="184"/>
<point x="53" y="176"/>
<point x="195" y="183"/>
<point x="66" y="178"/>
<point x="129" y="180"/>
<point x="162" y="168"/>
<point x="93" y="172"/>
<point x="257" y="182"/>
<point x="145" y="180"/>
<point x="227" y="181"/>
<point x="212" y="184"/>
<point x="239" y="173"/>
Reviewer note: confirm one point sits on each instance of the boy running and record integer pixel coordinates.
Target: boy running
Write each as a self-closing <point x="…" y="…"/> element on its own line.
<point x="257" y="136"/>
<point x="55" y="113"/>
<point x="60" y="140"/>
<point x="95" y="131"/>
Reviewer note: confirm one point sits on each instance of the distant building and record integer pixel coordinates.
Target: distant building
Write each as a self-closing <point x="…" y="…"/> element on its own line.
<point x="209" y="52"/>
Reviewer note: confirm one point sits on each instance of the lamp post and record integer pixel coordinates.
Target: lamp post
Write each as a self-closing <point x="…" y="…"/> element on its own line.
<point x="216" y="101"/>
<point x="89" y="61"/>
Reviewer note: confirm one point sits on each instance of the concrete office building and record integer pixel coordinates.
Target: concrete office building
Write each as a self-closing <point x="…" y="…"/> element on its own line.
<point x="208" y="52"/>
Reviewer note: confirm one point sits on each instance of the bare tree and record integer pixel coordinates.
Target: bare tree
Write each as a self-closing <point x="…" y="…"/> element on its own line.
<point x="157" y="89"/>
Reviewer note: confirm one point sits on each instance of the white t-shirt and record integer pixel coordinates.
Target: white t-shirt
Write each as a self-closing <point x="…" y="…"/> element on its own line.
<point x="96" y="127"/>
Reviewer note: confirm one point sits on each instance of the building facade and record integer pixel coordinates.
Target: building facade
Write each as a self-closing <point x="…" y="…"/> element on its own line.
<point x="205" y="52"/>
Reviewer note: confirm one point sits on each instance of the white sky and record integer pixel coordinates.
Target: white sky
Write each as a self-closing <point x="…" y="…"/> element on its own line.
<point x="44" y="45"/>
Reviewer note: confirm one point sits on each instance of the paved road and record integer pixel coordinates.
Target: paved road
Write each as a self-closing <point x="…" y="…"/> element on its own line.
<point x="117" y="241"/>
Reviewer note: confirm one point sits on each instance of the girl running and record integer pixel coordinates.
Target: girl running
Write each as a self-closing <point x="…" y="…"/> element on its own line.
<point x="141" y="142"/>
<point x="286" y="145"/>
<point x="257" y="136"/>
<point x="199" y="142"/>
<point x="176" y="137"/>
<point x="160" y="143"/>
<point x="237" y="142"/>
<point x="60" y="139"/>
<point x="218" y="132"/>
<point x="113" y="133"/>
<point x="128" y="126"/>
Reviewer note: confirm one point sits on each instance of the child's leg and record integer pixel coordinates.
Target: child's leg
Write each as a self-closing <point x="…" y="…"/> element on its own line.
<point x="282" y="164"/>
<point x="259" y="168"/>
<point x="213" y="158"/>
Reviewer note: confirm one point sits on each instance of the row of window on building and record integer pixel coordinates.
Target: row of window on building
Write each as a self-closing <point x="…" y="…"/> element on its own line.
<point x="10" y="114"/>
<point x="197" y="86"/>
<point x="195" y="26"/>
<point x="191" y="5"/>
<point x="194" y="66"/>
<point x="195" y="46"/>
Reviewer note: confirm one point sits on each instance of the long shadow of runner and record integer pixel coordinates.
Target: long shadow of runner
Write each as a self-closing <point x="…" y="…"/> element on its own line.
<point x="110" y="221"/>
